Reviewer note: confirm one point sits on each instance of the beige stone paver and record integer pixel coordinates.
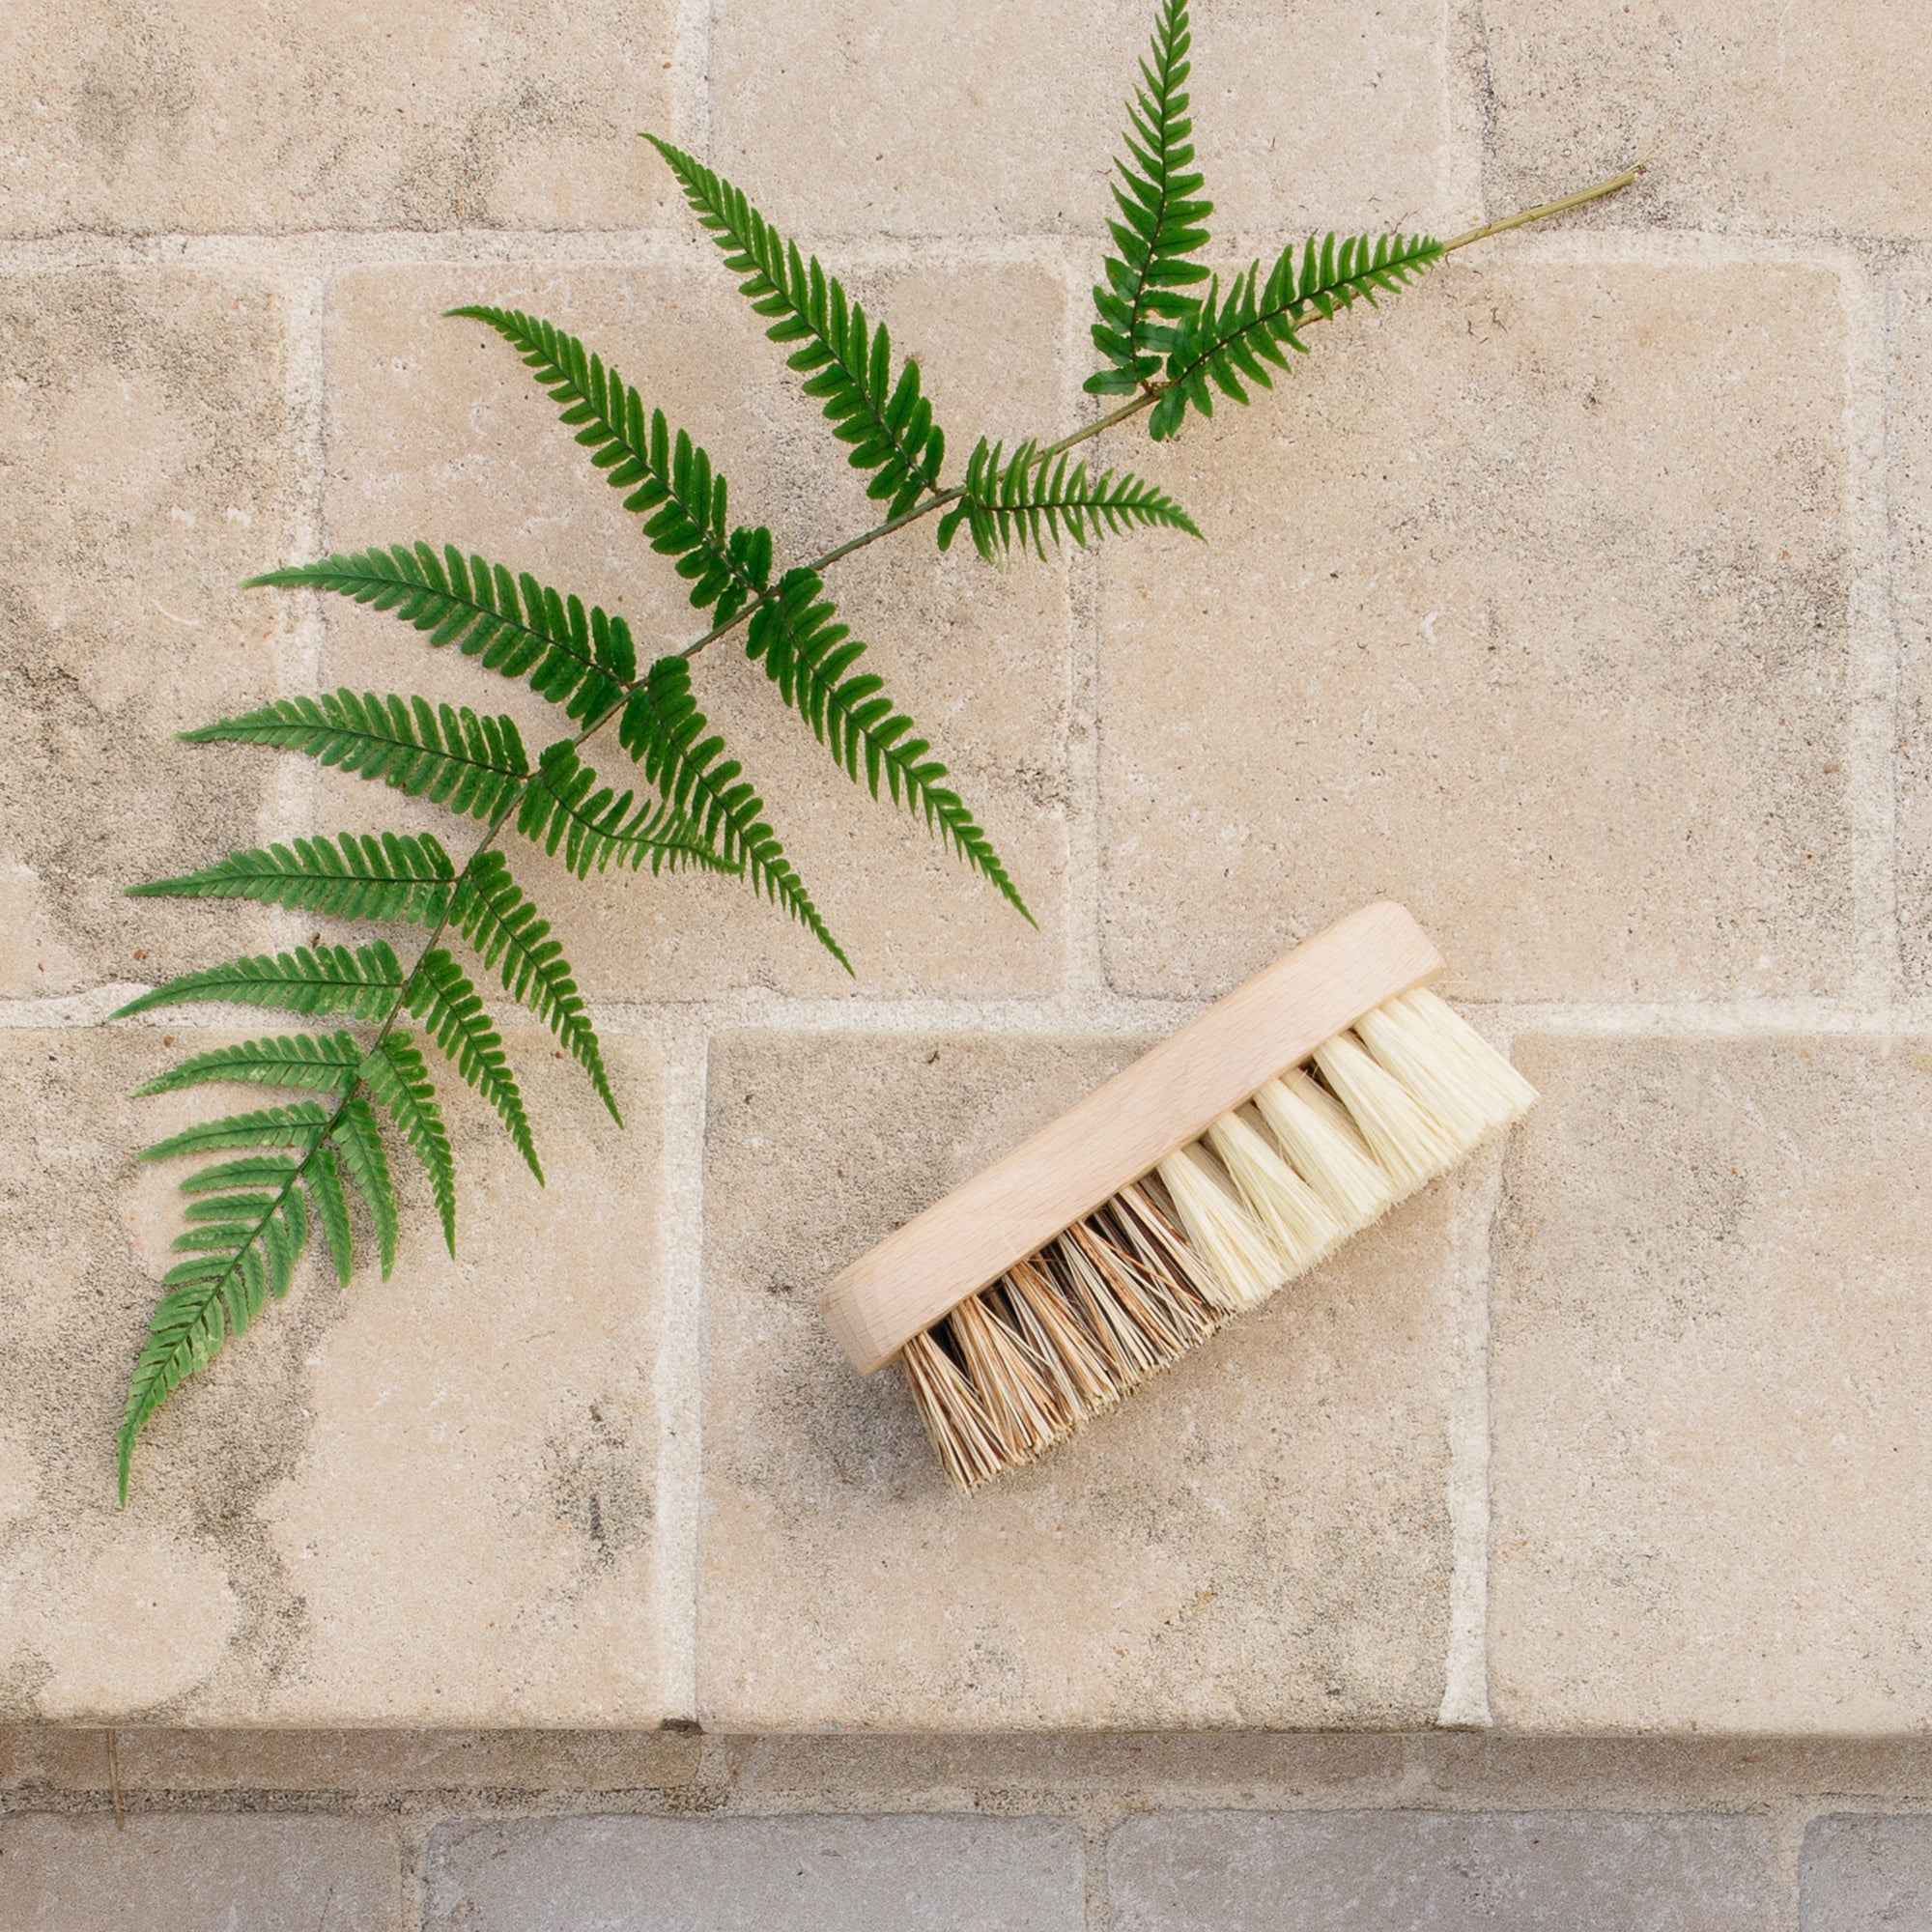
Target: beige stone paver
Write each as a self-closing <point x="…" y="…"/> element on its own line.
<point x="1524" y="603"/>
<point x="1259" y="1538"/>
<point x="144" y="469"/>
<point x="431" y="1499"/>
<point x="438" y="433"/>
<point x="838" y="118"/>
<point x="1908" y="478"/>
<point x="1711" y="1454"/>
<point x="1752" y="115"/>
<point x="200" y="116"/>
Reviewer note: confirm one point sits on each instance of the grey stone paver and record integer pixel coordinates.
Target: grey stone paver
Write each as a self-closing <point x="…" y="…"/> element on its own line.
<point x="1866" y="1874"/>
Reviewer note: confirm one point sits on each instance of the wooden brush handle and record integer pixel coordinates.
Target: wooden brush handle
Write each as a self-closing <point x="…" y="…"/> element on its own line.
<point x="1123" y="1129"/>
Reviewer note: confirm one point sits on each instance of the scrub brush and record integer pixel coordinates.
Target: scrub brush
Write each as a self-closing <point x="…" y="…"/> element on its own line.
<point x="1185" y="1191"/>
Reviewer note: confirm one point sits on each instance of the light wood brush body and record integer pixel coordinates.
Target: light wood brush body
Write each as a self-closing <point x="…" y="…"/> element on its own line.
<point x="1187" y="1189"/>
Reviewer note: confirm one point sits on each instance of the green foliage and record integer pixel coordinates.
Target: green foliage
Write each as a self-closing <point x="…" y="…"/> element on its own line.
<point x="515" y="625"/>
<point x="1160" y="225"/>
<point x="848" y="364"/>
<point x="395" y="1075"/>
<point x="440" y="994"/>
<point x="358" y="1144"/>
<point x="566" y="806"/>
<point x="1036" y="498"/>
<point x="321" y="1065"/>
<point x="328" y="980"/>
<point x="386" y="876"/>
<point x="1226" y="344"/>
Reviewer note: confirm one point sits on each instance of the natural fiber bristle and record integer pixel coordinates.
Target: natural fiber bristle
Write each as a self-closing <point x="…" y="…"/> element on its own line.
<point x="1220" y="1224"/>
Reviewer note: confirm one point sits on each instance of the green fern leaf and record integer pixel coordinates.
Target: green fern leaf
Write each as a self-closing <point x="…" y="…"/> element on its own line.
<point x="450" y="756"/>
<point x="394" y="876"/>
<point x="492" y="913"/>
<point x="255" y="1170"/>
<point x="670" y="481"/>
<point x="514" y="625"/>
<point x="324" y="1189"/>
<point x="1226" y="345"/>
<point x="330" y="980"/>
<point x="664" y="731"/>
<point x="442" y="998"/>
<point x="1035" y="499"/>
<point x="809" y="654"/>
<point x="395" y="1075"/>
<point x="1161" y="223"/>
<point x="322" y="1065"/>
<point x="300" y="1124"/>
<point x="848" y="367"/>
<point x="566" y="806"/>
<point x="358" y="1143"/>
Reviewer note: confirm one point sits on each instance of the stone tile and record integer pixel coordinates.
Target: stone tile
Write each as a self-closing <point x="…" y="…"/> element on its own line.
<point x="1554" y="651"/>
<point x="1259" y="1538"/>
<point x="1710" y="1463"/>
<point x="290" y="1874"/>
<point x="430" y="1500"/>
<point x="756" y="1875"/>
<point x="144" y="469"/>
<point x="1910" y="482"/>
<point x="438" y="433"/>
<point x="1754" y="116"/>
<point x="1401" y="1871"/>
<point x="836" y="119"/>
<point x="1860" y="1874"/>
<point x="301" y="114"/>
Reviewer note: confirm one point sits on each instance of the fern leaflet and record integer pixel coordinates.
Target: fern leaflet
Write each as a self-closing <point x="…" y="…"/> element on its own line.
<point x="806" y="653"/>
<point x="1229" y="342"/>
<point x="450" y="1008"/>
<point x="664" y="731"/>
<point x="395" y="1075"/>
<point x="330" y="980"/>
<point x="300" y="1124"/>
<point x="321" y="1065"/>
<point x="325" y="1189"/>
<point x="514" y="625"/>
<point x="566" y="806"/>
<point x="394" y="876"/>
<point x="671" y="482"/>
<point x="1035" y="499"/>
<point x="848" y="367"/>
<point x="358" y="1143"/>
<point x="451" y="756"/>
<point x="1160" y="225"/>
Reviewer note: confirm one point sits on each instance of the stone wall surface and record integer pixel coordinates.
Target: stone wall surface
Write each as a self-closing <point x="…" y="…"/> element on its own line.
<point x="1576" y="597"/>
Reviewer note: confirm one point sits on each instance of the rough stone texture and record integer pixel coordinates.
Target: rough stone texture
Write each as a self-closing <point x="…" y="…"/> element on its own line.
<point x="194" y="1874"/>
<point x="1753" y="115"/>
<point x="438" y="433"/>
<point x="1865" y="1874"/>
<point x="756" y="1875"/>
<point x="1910" y="491"/>
<point x="1710" y="1328"/>
<point x="1305" y="115"/>
<point x="1403" y="1871"/>
<point x="144" y="469"/>
<point x="426" y="1498"/>
<point x="1554" y="650"/>
<point x="204" y="116"/>
<point x="1258" y="1538"/>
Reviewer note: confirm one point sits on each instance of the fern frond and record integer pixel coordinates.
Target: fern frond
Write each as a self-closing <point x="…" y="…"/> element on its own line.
<point x="492" y="911"/>
<point x="450" y="756"/>
<point x="390" y="876"/>
<point x="847" y="366"/>
<point x="300" y="1124"/>
<point x="514" y="625"/>
<point x="566" y="806"/>
<point x="1036" y="498"/>
<point x="358" y="1143"/>
<point x="450" y="1008"/>
<point x="664" y="731"/>
<point x="671" y="482"/>
<point x="331" y="1208"/>
<point x="395" y="1075"/>
<point x="1225" y="344"/>
<point x="1161" y="223"/>
<point x="330" y="980"/>
<point x="321" y="1065"/>
<point x="807" y="654"/>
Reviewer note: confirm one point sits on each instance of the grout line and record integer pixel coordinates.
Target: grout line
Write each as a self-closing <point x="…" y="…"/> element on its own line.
<point x="1466" y="108"/>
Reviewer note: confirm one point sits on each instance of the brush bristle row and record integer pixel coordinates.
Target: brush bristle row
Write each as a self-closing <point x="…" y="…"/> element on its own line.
<point x="1215" y="1229"/>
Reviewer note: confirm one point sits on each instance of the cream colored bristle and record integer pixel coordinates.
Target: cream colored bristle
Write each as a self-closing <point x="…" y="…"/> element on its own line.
<point x="1434" y="1076"/>
<point x="1321" y="1144"/>
<point x="1243" y="1262"/>
<point x="1504" y="1095"/>
<point x="1290" y="1212"/>
<point x="1409" y="1142"/>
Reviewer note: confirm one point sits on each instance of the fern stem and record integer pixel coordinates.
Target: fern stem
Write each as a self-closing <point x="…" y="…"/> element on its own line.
<point x="1544" y="209"/>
